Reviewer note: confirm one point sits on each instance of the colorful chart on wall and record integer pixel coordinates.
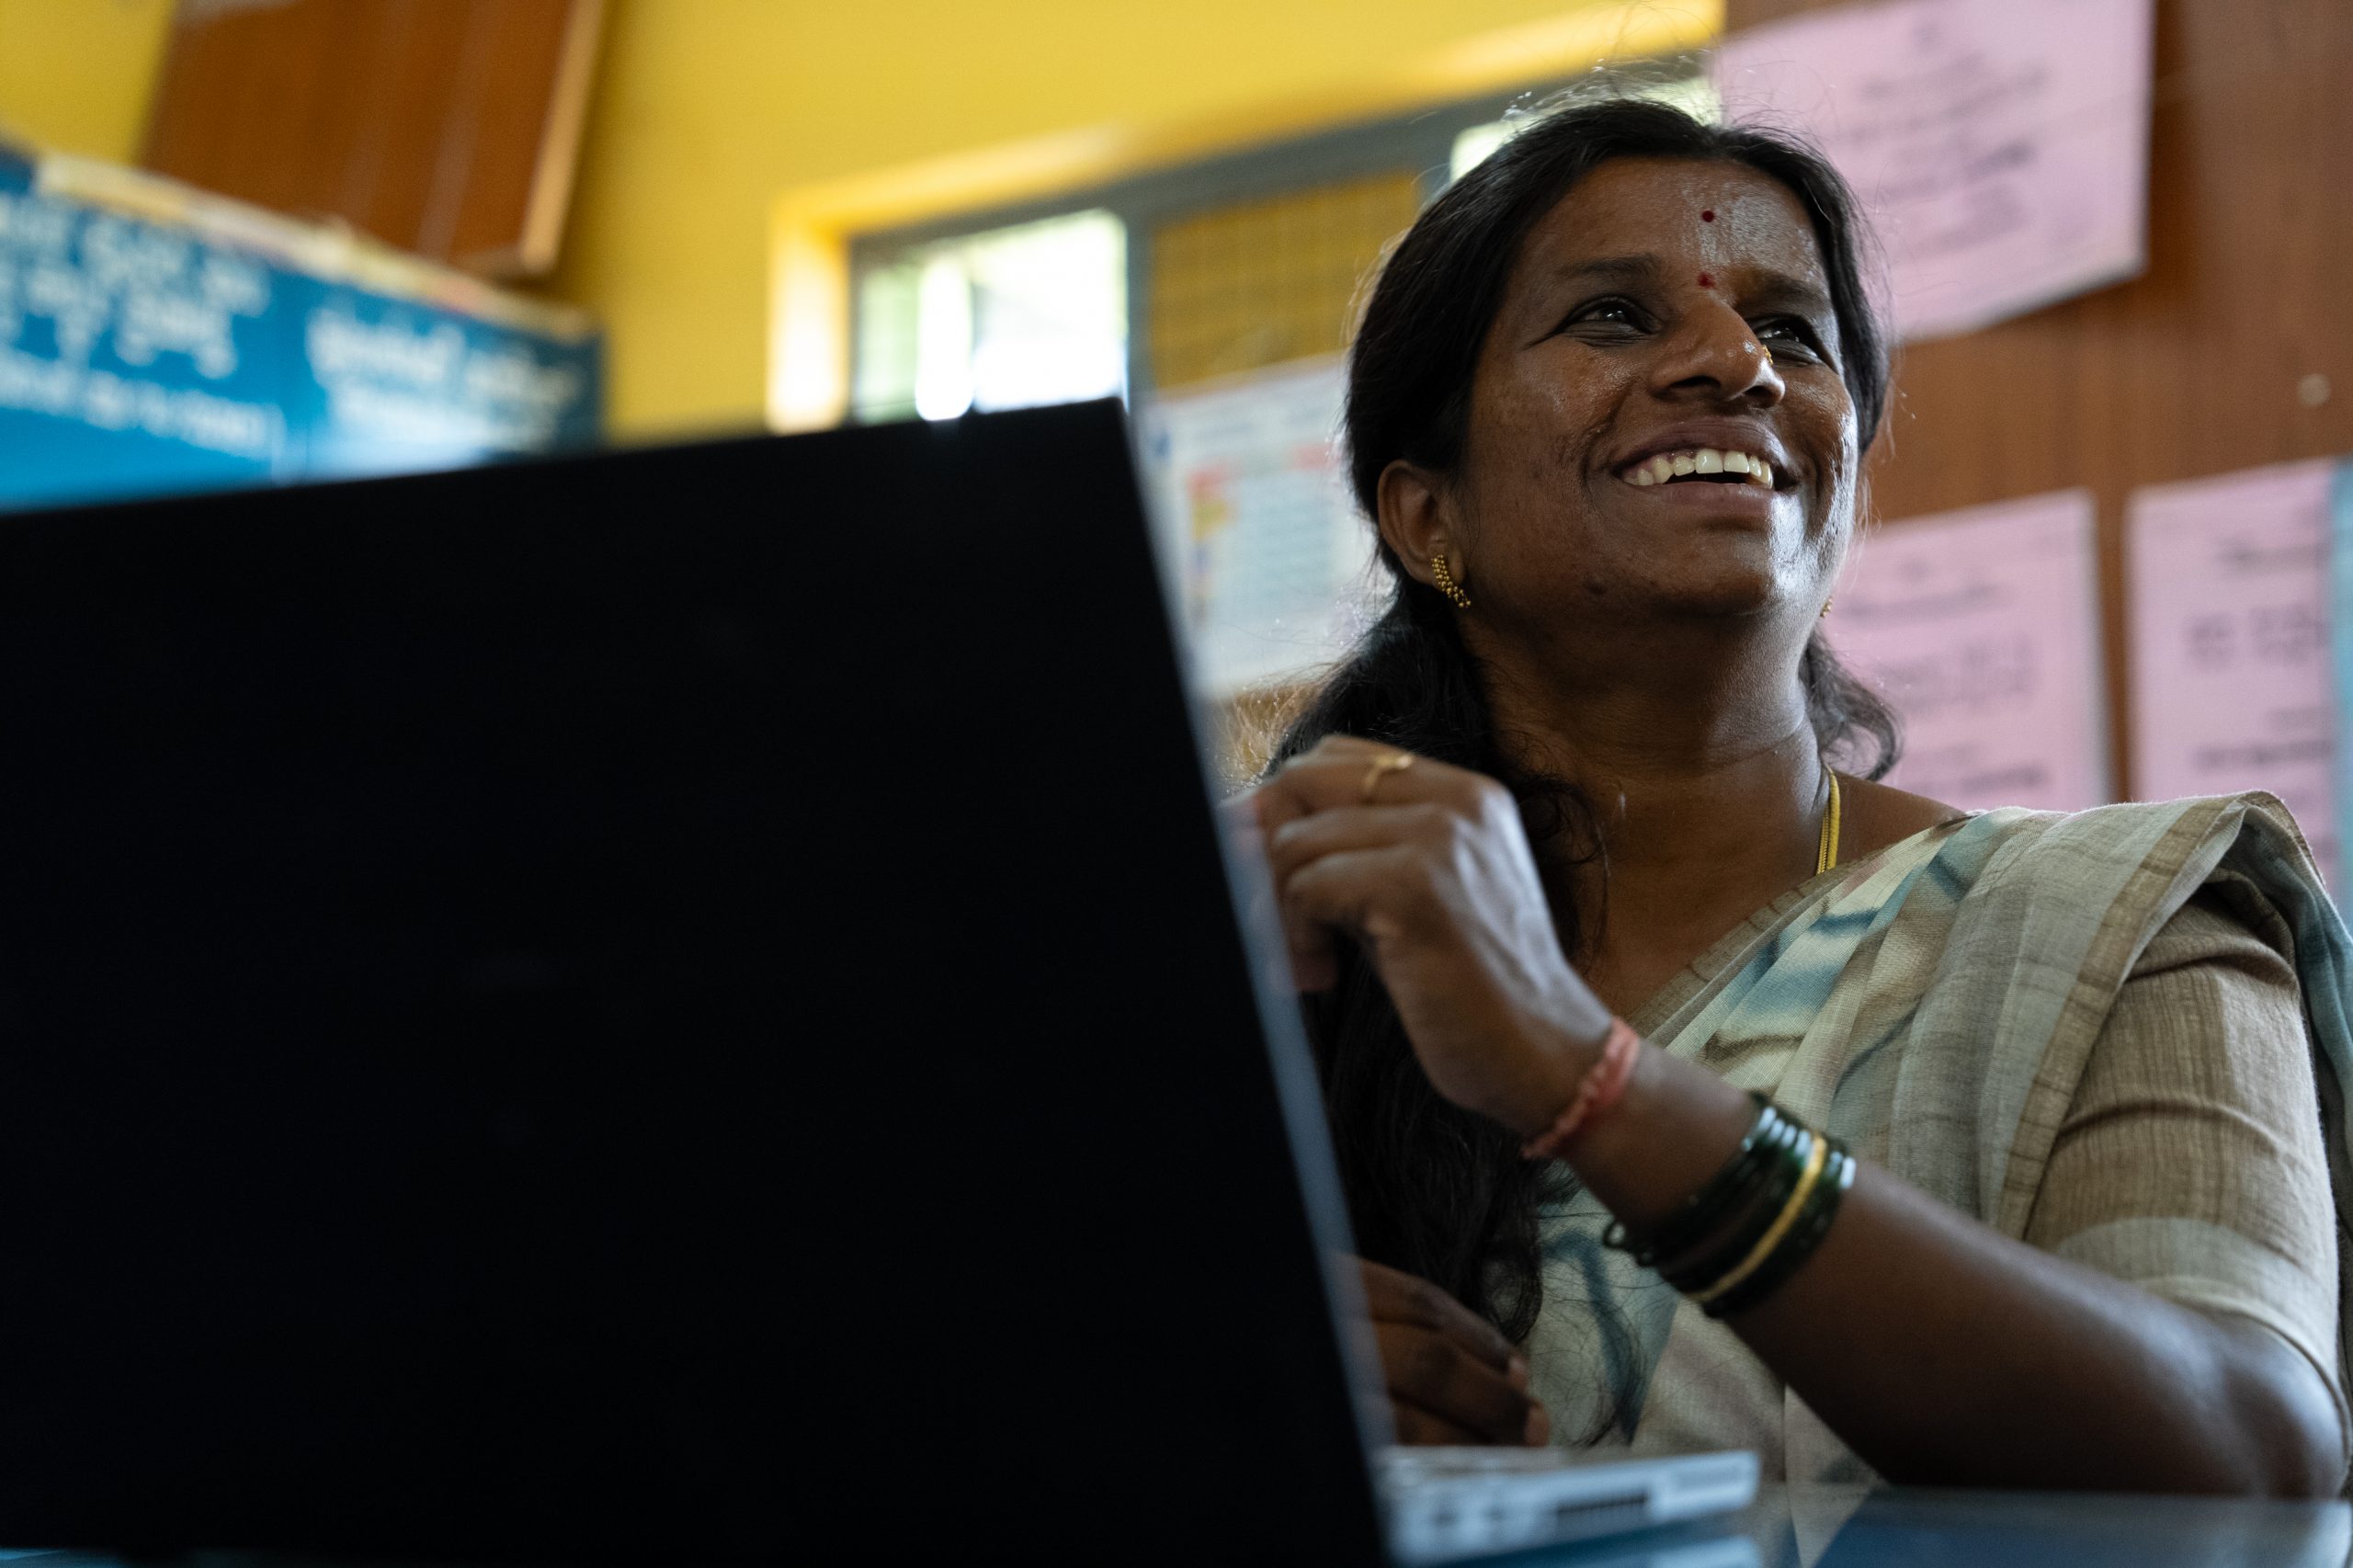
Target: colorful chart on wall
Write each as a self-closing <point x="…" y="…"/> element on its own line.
<point x="2001" y="147"/>
<point x="1982" y="628"/>
<point x="1274" y="564"/>
<point x="2232" y="683"/>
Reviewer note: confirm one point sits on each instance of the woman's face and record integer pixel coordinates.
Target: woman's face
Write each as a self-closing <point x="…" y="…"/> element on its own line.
<point x="1624" y="387"/>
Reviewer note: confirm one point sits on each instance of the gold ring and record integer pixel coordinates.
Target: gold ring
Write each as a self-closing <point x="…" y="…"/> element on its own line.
<point x="1395" y="762"/>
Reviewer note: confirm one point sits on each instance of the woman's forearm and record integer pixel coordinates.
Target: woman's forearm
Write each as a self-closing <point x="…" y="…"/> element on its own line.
<point x="1944" y="1352"/>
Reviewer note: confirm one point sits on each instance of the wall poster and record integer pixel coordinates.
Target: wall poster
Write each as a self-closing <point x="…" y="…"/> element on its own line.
<point x="1982" y="628"/>
<point x="2000" y="147"/>
<point x="2231" y="687"/>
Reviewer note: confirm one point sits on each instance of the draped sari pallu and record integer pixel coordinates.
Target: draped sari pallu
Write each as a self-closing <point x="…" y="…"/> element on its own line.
<point x="1935" y="1005"/>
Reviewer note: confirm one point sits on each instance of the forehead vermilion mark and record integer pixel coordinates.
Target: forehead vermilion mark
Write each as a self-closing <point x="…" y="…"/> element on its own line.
<point x="1706" y="215"/>
<point x="1707" y="280"/>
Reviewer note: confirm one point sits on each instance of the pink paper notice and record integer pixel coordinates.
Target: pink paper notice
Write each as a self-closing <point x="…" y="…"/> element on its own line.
<point x="2000" y="146"/>
<point x="1982" y="627"/>
<point x="2231" y="682"/>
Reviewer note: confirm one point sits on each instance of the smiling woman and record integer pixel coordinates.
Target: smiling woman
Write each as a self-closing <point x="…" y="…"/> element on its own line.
<point x="1607" y="927"/>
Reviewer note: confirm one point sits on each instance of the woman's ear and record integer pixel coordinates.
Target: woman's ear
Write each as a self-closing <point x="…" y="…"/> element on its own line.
<point x="1419" y="520"/>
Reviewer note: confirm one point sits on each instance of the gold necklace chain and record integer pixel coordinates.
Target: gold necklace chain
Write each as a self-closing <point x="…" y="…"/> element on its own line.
<point x="1826" y="857"/>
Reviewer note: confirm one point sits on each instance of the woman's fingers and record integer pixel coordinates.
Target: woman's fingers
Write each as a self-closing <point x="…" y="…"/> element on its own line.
<point x="1314" y="807"/>
<point x="1256" y="817"/>
<point x="1315" y="819"/>
<point x="1374" y="892"/>
<point x="1429" y="867"/>
<point x="1434" y="1373"/>
<point x="1395" y="1296"/>
<point x="1305" y="841"/>
<point x="1337" y="771"/>
<point x="1419" y="1428"/>
<point x="1309" y="838"/>
<point x="1453" y="1375"/>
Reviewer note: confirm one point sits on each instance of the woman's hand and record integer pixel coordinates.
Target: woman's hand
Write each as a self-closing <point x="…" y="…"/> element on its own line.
<point x="1452" y="1378"/>
<point x="1434" y="877"/>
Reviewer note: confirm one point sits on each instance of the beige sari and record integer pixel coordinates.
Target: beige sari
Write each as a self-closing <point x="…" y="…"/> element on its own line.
<point x="2120" y="1036"/>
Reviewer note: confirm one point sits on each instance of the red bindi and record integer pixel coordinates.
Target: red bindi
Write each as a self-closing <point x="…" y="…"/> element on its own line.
<point x="1706" y="282"/>
<point x="1708" y="215"/>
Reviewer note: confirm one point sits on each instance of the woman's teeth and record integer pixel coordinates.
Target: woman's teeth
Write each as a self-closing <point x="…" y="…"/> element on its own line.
<point x="1701" y="461"/>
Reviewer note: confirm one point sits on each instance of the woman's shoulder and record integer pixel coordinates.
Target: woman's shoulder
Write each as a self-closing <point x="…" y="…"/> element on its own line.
<point x="2154" y="834"/>
<point x="2131" y="832"/>
<point x="2040" y="919"/>
<point x="2124" y="872"/>
<point x="2029" y="886"/>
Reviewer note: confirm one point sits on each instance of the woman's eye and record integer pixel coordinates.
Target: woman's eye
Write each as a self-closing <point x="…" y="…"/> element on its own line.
<point x="1785" y="336"/>
<point x="1622" y="313"/>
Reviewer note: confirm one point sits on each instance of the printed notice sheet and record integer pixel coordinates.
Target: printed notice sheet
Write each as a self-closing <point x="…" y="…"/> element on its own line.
<point x="2001" y="147"/>
<point x="2231" y="687"/>
<point x="1982" y="627"/>
<point x="1255" y="526"/>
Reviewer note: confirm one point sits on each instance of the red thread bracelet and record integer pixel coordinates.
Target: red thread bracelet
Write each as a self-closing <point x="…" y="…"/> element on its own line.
<point x="1600" y="1089"/>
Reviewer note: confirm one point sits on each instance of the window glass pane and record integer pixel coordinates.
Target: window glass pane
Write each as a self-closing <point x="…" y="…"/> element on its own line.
<point x="883" y="383"/>
<point x="1050" y="311"/>
<point x="1008" y="318"/>
<point x="943" y="337"/>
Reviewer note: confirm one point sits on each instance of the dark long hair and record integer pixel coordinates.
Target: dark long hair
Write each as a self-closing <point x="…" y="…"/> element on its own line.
<point x="1432" y="1189"/>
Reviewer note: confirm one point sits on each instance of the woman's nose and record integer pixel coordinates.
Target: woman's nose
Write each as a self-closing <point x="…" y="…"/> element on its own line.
<point x="1718" y="359"/>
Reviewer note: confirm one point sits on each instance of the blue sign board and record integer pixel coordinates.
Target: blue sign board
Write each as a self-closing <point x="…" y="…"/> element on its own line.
<point x="142" y="357"/>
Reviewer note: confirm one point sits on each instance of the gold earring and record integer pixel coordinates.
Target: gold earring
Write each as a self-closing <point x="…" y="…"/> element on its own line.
<point x="1447" y="585"/>
<point x="1827" y="602"/>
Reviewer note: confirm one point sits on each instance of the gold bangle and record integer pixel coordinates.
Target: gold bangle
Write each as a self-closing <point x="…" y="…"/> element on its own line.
<point x="1825" y="855"/>
<point x="1815" y="1160"/>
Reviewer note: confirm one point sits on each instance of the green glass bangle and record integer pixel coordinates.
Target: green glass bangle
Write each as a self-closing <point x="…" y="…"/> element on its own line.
<point x="1703" y="1212"/>
<point x="1820" y="1208"/>
<point x="1773" y="1163"/>
<point x="1767" y="1200"/>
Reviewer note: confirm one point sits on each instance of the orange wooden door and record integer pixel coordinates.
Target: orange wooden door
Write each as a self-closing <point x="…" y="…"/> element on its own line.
<point x="447" y="128"/>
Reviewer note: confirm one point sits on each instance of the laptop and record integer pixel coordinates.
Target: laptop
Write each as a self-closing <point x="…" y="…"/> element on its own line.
<point x="679" y="1004"/>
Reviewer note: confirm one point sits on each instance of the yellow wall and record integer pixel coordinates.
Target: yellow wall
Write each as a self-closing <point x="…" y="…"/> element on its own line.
<point x="709" y="110"/>
<point x="75" y="75"/>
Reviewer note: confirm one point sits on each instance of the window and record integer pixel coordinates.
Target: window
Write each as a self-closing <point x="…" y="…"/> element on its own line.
<point x="1005" y="318"/>
<point x="1233" y="264"/>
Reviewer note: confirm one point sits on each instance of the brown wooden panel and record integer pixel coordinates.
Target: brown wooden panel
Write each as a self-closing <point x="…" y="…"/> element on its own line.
<point x="2193" y="367"/>
<point x="445" y="127"/>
